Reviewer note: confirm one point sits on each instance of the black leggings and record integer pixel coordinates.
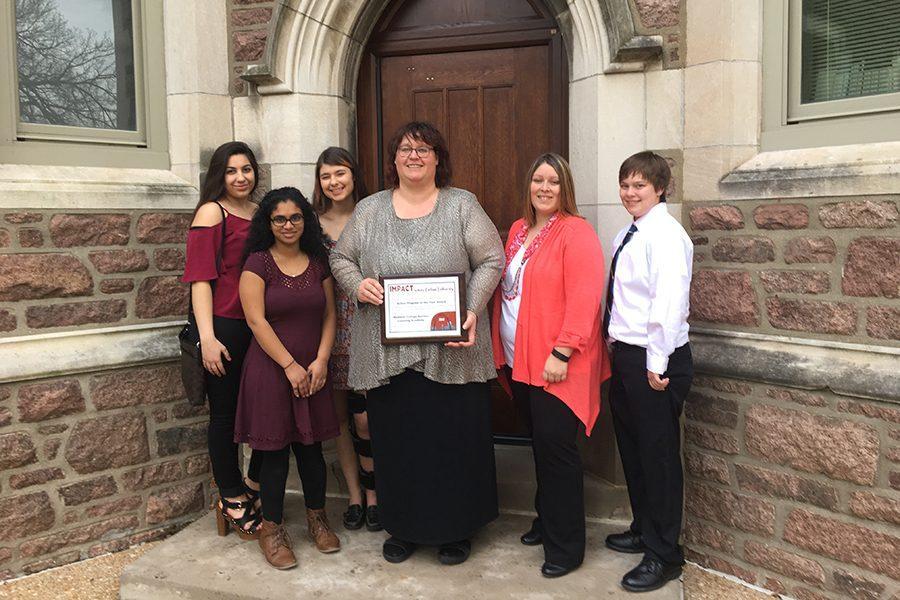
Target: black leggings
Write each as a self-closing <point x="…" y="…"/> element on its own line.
<point x="274" y="472"/>
<point x="223" y="396"/>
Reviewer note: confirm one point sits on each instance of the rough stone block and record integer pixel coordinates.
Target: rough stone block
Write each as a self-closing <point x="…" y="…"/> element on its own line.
<point x="73" y="537"/>
<point x="248" y="46"/>
<point x="21" y="218"/>
<point x="196" y="465"/>
<point x="796" y="396"/>
<point x="744" y="249"/>
<point x="43" y="401"/>
<point x="16" y="450"/>
<point x="838" y="448"/>
<point x="164" y="228"/>
<point x="185" y="410"/>
<point x="883" y="322"/>
<point x="729" y="386"/>
<point x="176" y="440"/>
<point x="67" y="231"/>
<point x="854" y="586"/>
<point x="22" y="516"/>
<point x="90" y="489"/>
<point x="37" y="276"/>
<point x="864" y="215"/>
<point x="169" y="259"/>
<point x="871" y="409"/>
<point x="38" y="477"/>
<point x="657" y="14"/>
<point x="131" y="387"/>
<point x="802" y="593"/>
<point x="250" y="16"/>
<point x="872" y="268"/>
<point x="706" y="466"/>
<point x="116" y="286"/>
<point x="174" y="502"/>
<point x="52" y="429"/>
<point x="7" y="320"/>
<point x="844" y="542"/>
<point x="5" y="239"/>
<point x="786" y="563"/>
<point x="875" y="508"/>
<point x="31" y="238"/>
<point x="108" y="442"/>
<point x="725" y="218"/>
<point x="51" y="447"/>
<point x="711" y="409"/>
<point x="703" y="437"/>
<point x="724" y="297"/>
<point x="812" y="315"/>
<point x="119" y="261"/>
<point x="795" y="282"/>
<point x="723" y="566"/>
<point x="161" y="297"/>
<point x="153" y="475"/>
<point x="702" y="534"/>
<point x="781" y="216"/>
<point x="784" y="485"/>
<point x="116" y="506"/>
<point x="52" y="563"/>
<point x="75" y="313"/>
<point x="728" y="508"/>
<point x="810" y="250"/>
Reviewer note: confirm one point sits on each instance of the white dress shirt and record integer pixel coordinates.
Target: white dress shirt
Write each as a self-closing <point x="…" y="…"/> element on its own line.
<point x="651" y="287"/>
<point x="509" y="309"/>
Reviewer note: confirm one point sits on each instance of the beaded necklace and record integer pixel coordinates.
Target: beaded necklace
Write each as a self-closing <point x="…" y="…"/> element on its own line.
<point x="512" y="292"/>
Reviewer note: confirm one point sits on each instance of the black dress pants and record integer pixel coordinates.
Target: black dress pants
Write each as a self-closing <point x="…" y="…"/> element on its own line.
<point x="649" y="439"/>
<point x="222" y="393"/>
<point x="559" y="499"/>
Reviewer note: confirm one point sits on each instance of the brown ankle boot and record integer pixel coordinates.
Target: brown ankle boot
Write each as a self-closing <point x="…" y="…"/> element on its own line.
<point x="320" y="532"/>
<point x="276" y="545"/>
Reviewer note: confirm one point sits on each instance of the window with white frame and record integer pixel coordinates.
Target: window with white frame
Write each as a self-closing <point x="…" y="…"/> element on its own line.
<point x="86" y="74"/>
<point x="831" y="72"/>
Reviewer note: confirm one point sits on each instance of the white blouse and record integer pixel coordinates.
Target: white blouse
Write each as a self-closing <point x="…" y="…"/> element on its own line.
<point x="509" y="310"/>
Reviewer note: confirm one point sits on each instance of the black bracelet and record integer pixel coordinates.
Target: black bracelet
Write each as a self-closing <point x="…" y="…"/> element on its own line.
<point x="560" y="355"/>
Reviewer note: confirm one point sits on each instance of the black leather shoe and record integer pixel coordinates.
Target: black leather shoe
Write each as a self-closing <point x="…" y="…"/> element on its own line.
<point x="627" y="542"/>
<point x="354" y="517"/>
<point x="551" y="570"/>
<point x="650" y="574"/>
<point x="532" y="537"/>
<point x="372" y="521"/>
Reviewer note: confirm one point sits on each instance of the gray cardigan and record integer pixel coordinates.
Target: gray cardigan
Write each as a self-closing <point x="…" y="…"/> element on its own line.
<point x="457" y="236"/>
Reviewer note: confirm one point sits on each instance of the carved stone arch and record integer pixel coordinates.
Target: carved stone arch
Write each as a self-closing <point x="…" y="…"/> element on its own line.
<point x="316" y="45"/>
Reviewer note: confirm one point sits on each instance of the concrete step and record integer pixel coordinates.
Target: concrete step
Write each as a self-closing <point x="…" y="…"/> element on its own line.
<point x="196" y="564"/>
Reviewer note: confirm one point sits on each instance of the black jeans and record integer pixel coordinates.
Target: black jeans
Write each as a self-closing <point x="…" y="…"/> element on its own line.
<point x="649" y="439"/>
<point x="274" y="472"/>
<point x="223" y="396"/>
<point x="559" y="499"/>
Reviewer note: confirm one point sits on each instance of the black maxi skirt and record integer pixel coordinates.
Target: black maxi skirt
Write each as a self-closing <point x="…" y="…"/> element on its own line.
<point x="434" y="458"/>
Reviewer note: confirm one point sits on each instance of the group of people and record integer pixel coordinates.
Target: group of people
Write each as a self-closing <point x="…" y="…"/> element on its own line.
<point x="287" y="299"/>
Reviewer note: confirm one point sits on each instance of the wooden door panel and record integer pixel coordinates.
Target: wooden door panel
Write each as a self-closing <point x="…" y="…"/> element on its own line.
<point x="464" y="131"/>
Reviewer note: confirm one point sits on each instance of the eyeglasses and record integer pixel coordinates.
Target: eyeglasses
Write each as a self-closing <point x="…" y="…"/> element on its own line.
<point x="280" y="220"/>
<point x="421" y="151"/>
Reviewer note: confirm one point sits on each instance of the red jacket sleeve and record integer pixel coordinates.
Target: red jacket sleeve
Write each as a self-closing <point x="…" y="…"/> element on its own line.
<point x="582" y="265"/>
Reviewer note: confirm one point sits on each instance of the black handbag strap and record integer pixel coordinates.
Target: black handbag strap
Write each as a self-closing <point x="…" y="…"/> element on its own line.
<point x="219" y="258"/>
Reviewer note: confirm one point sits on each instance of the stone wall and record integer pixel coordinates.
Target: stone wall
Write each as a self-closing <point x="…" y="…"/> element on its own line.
<point x="792" y="490"/>
<point x="821" y="268"/>
<point x="96" y="463"/>
<point x="248" y="30"/>
<point x="66" y="270"/>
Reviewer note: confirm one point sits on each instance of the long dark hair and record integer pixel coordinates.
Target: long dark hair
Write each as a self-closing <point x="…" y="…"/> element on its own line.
<point x="261" y="236"/>
<point x="214" y="183"/>
<point x="336" y="157"/>
<point x="428" y="134"/>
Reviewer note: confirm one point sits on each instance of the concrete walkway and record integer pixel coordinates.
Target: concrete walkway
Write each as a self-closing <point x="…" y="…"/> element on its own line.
<point x="196" y="564"/>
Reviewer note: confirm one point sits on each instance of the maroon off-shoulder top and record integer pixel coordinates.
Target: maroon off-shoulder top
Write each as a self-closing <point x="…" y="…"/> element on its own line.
<point x="203" y="244"/>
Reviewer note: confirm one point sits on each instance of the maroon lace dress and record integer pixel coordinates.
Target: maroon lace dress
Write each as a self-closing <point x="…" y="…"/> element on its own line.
<point x="269" y="416"/>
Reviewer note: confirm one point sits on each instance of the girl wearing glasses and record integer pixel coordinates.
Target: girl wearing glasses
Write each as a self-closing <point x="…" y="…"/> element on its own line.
<point x="338" y="187"/>
<point x="429" y="403"/>
<point x="285" y="401"/>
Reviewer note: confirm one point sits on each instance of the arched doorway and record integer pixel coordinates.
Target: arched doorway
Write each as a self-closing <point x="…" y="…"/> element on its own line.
<point x="493" y="77"/>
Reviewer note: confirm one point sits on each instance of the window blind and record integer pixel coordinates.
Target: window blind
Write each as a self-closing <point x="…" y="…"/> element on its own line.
<point x="850" y="49"/>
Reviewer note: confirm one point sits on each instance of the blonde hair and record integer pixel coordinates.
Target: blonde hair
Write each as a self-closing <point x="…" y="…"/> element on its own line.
<point x="567" y="204"/>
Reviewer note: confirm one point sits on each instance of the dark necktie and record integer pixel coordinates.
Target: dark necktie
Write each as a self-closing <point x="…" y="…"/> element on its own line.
<point x="612" y="277"/>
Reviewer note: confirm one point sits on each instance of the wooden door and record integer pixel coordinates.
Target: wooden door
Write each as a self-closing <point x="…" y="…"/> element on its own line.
<point x="491" y="75"/>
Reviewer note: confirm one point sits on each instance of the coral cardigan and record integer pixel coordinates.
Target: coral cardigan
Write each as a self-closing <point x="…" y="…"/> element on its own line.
<point x="562" y="288"/>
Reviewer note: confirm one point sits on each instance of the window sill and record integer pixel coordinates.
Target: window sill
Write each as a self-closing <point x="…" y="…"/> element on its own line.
<point x="58" y="187"/>
<point x="855" y="170"/>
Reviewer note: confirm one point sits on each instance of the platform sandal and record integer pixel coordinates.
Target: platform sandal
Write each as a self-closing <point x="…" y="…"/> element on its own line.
<point x="225" y="522"/>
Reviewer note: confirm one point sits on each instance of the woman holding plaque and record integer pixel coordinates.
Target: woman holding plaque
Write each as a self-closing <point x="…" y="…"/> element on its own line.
<point x="428" y="402"/>
<point x="546" y="339"/>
